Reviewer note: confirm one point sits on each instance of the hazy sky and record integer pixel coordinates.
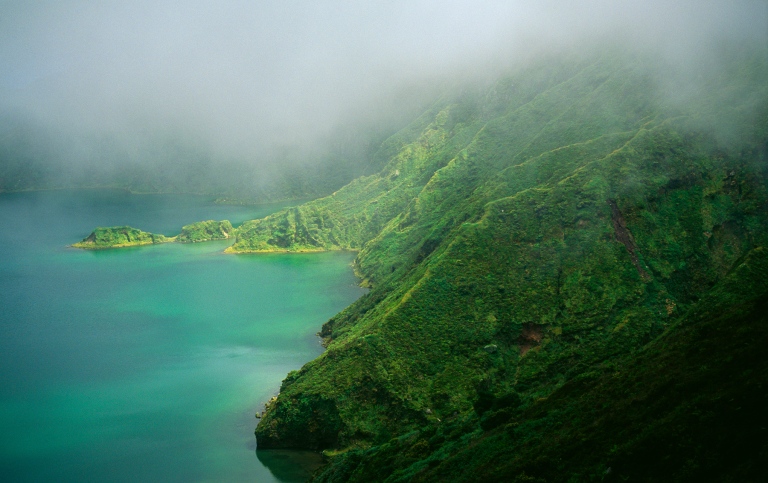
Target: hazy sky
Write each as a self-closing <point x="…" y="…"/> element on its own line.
<point x="239" y="78"/>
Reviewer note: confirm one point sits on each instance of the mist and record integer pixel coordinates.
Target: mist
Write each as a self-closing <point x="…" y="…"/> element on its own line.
<point x="257" y="84"/>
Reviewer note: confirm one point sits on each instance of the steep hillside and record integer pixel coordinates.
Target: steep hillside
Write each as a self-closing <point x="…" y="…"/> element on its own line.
<point x="523" y="236"/>
<point x="689" y="406"/>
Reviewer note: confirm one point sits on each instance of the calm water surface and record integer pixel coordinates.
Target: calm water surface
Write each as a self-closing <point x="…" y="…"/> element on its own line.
<point x="148" y="363"/>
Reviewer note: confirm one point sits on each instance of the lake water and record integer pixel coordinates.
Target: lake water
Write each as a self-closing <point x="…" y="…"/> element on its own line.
<point x="148" y="363"/>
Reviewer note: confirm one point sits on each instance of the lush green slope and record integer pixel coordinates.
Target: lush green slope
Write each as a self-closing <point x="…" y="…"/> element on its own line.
<point x="689" y="406"/>
<point x="120" y="236"/>
<point x="522" y="237"/>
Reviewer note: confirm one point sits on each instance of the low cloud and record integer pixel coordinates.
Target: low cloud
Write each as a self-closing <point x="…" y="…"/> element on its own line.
<point x="246" y="82"/>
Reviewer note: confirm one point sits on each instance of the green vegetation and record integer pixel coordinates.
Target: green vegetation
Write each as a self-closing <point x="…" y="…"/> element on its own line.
<point x="205" y="231"/>
<point x="566" y="271"/>
<point x="568" y="277"/>
<point x="125" y="236"/>
<point x="120" y="236"/>
<point x="689" y="406"/>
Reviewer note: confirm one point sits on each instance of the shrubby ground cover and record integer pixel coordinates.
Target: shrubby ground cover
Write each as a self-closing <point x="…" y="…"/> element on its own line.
<point x="566" y="272"/>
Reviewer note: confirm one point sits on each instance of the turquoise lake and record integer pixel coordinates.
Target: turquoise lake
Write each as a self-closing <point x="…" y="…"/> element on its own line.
<point x="148" y="363"/>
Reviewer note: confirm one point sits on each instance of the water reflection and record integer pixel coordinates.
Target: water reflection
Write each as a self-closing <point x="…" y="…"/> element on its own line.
<point x="290" y="466"/>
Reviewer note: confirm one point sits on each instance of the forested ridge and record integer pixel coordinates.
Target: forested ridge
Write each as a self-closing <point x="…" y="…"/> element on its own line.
<point x="568" y="282"/>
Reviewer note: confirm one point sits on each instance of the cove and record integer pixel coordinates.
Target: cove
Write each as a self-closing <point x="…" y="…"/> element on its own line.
<point x="148" y="363"/>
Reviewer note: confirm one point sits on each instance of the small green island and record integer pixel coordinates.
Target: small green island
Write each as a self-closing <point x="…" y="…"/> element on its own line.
<point x="126" y="236"/>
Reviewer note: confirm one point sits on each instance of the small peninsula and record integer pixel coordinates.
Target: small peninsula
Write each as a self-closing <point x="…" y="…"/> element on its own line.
<point x="126" y="236"/>
<point x="120" y="236"/>
<point x="205" y="231"/>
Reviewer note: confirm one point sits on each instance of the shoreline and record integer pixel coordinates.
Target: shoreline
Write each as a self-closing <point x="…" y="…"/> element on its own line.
<point x="287" y="251"/>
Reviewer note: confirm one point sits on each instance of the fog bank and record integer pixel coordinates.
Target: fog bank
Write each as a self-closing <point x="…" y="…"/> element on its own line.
<point x="263" y="82"/>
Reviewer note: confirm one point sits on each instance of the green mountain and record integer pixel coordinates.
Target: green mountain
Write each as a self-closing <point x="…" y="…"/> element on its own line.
<point x="568" y="280"/>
